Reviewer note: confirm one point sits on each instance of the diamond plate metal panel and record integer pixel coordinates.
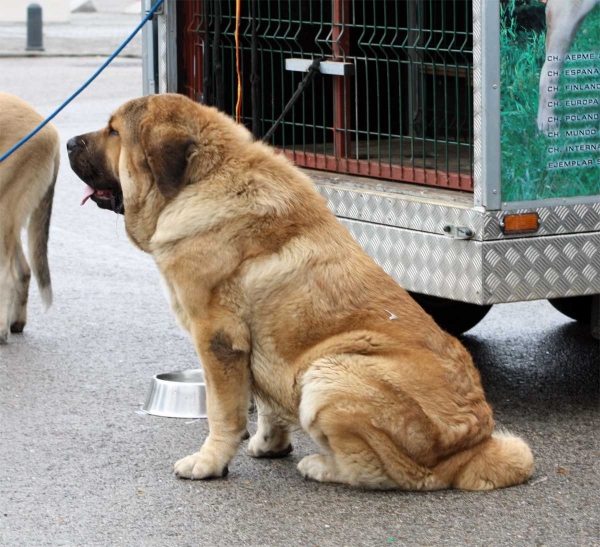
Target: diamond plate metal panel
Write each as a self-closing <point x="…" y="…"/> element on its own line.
<point x="537" y="268"/>
<point x="477" y="106"/>
<point x="393" y="210"/>
<point x="422" y="262"/>
<point x="485" y="272"/>
<point x="428" y="215"/>
<point x="562" y="219"/>
<point x="162" y="53"/>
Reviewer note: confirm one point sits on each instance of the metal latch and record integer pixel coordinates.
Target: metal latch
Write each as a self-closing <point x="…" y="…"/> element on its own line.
<point x="458" y="232"/>
<point x="333" y="68"/>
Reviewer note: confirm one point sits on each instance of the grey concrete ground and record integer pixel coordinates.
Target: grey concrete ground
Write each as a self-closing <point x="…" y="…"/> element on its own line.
<point x="96" y="33"/>
<point x="80" y="466"/>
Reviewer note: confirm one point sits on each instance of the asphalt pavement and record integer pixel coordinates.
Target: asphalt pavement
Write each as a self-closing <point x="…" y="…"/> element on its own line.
<point x="81" y="466"/>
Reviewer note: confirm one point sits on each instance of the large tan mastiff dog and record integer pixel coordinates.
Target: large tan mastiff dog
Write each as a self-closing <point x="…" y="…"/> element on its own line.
<point x="282" y="303"/>
<point x="27" y="179"/>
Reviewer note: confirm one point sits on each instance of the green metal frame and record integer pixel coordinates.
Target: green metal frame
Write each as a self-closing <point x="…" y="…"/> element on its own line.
<point x="405" y="114"/>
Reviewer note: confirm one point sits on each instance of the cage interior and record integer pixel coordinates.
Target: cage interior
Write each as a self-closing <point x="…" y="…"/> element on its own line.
<point x="404" y="114"/>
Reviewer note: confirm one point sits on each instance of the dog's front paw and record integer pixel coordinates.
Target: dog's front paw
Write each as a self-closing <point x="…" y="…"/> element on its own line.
<point x="198" y="467"/>
<point x="259" y="447"/>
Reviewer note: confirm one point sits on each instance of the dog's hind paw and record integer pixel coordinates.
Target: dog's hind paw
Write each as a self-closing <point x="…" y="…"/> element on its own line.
<point x="259" y="448"/>
<point x="197" y="467"/>
<point x="17" y="327"/>
<point x="318" y="467"/>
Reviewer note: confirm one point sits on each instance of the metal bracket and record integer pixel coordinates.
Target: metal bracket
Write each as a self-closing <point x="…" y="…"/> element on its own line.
<point x="149" y="4"/>
<point x="333" y="68"/>
<point x="458" y="232"/>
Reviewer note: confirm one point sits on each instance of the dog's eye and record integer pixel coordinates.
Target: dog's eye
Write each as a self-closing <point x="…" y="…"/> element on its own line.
<point x="112" y="131"/>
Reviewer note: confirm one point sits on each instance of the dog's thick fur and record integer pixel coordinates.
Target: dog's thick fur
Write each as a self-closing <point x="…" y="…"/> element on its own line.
<point x="282" y="303"/>
<point x="27" y="179"/>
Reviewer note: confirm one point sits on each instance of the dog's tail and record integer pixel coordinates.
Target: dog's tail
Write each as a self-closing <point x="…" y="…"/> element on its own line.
<point x="500" y="461"/>
<point x="37" y="237"/>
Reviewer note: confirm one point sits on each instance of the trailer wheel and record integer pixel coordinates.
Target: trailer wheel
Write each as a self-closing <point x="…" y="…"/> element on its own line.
<point x="578" y="308"/>
<point x="451" y="315"/>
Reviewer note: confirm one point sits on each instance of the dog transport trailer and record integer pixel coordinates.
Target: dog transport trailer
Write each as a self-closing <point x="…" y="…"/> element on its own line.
<point x="460" y="149"/>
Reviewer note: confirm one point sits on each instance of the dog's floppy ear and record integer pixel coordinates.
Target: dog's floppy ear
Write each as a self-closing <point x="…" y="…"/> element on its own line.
<point x="169" y="154"/>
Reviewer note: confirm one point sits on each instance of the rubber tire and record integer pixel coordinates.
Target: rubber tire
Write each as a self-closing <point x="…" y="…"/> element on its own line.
<point x="451" y="315"/>
<point x="578" y="308"/>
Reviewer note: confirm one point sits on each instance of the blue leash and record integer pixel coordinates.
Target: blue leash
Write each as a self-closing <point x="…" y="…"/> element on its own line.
<point x="95" y="75"/>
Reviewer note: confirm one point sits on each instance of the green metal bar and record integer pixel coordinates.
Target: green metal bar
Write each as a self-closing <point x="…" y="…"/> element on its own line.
<point x="412" y="83"/>
<point x="367" y="98"/>
<point x="323" y="103"/>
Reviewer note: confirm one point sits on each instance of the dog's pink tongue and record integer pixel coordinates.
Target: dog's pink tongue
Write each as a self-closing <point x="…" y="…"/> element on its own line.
<point x="87" y="194"/>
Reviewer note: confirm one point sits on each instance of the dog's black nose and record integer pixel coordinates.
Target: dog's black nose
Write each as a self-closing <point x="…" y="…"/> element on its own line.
<point x="72" y="144"/>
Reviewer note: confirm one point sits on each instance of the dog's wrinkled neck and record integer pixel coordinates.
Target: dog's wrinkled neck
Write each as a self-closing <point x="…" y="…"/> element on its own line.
<point x="140" y="225"/>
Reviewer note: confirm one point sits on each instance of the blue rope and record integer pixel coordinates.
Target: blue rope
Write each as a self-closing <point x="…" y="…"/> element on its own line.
<point x="95" y="75"/>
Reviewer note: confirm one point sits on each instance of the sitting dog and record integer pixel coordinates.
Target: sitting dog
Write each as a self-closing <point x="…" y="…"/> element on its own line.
<point x="27" y="179"/>
<point x="563" y="19"/>
<point x="282" y="303"/>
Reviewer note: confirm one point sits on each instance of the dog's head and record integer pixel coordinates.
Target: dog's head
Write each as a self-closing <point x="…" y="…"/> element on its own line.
<point x="146" y="151"/>
<point x="151" y="149"/>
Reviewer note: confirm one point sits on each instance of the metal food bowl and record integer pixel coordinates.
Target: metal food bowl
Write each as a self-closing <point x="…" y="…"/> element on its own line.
<point x="177" y="395"/>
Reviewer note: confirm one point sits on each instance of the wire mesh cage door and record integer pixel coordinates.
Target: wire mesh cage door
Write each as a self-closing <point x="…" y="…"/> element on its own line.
<point x="403" y="111"/>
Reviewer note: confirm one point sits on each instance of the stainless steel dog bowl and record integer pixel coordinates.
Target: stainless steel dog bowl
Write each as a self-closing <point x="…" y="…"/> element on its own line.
<point x="177" y="395"/>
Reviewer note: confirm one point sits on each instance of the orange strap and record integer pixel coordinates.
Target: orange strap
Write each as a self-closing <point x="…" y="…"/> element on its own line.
<point x="238" y="105"/>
